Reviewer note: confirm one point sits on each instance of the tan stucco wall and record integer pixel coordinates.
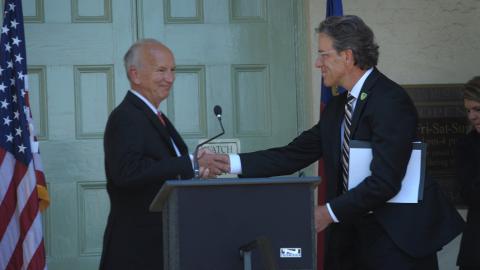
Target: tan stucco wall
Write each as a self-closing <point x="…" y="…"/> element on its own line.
<point x="421" y="41"/>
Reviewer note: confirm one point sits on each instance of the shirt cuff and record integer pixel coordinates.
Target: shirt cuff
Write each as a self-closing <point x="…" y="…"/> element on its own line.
<point x="332" y="214"/>
<point x="235" y="164"/>
<point x="191" y="159"/>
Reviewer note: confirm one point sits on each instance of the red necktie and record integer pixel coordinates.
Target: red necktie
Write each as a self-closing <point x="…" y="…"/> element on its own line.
<point x="162" y="120"/>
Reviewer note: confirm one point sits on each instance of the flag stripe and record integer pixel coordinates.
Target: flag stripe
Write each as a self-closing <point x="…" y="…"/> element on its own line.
<point x="6" y="172"/>
<point x="27" y="219"/>
<point x="9" y="204"/>
<point x="16" y="261"/>
<point x="27" y="187"/>
<point x="2" y="155"/>
<point x="33" y="238"/>
<point x="9" y="241"/>
<point x="37" y="261"/>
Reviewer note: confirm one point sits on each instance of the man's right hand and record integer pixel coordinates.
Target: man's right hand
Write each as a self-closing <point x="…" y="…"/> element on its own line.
<point x="215" y="163"/>
<point x="322" y="218"/>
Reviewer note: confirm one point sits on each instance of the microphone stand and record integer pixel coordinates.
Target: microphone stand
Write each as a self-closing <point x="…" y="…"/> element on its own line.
<point x="196" y="167"/>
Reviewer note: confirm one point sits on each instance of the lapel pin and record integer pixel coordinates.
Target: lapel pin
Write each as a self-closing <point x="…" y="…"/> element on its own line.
<point x="363" y="96"/>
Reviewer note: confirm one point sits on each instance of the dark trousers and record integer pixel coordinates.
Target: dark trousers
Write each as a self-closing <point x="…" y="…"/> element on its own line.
<point x="364" y="245"/>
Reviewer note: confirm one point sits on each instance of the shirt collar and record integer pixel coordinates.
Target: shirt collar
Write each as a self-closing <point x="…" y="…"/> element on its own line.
<point x="358" y="86"/>
<point x="149" y="104"/>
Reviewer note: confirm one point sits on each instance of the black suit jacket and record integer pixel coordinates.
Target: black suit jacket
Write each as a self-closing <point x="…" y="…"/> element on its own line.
<point x="139" y="157"/>
<point x="387" y="118"/>
<point x="468" y="172"/>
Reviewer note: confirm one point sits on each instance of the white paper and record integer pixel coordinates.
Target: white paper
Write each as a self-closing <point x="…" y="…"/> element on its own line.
<point x="359" y="169"/>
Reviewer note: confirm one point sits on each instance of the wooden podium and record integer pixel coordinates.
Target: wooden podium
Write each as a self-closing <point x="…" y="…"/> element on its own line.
<point x="207" y="222"/>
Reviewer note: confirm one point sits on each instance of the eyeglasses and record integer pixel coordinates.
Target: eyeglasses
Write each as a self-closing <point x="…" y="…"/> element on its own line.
<point x="323" y="55"/>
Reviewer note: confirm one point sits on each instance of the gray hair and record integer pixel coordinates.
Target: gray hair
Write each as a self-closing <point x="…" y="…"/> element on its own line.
<point x="471" y="89"/>
<point x="131" y="57"/>
<point x="350" y="32"/>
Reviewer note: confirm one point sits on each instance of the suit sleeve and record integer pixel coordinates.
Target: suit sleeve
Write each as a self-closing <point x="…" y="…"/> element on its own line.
<point x="302" y="151"/>
<point x="391" y="120"/>
<point x="135" y="156"/>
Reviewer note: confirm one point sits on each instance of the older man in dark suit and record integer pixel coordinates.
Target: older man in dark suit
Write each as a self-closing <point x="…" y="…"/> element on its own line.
<point x="364" y="231"/>
<point x="142" y="150"/>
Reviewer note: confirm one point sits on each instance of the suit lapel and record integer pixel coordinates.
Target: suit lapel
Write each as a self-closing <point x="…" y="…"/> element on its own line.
<point x="153" y="118"/>
<point x="339" y="113"/>
<point x="182" y="147"/>
<point x="362" y="99"/>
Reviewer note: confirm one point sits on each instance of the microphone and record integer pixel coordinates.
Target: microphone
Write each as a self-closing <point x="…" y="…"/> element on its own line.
<point x="217" y="110"/>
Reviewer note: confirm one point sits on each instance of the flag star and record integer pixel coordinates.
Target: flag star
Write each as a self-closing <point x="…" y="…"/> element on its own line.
<point x="9" y="137"/>
<point x="17" y="115"/>
<point x="3" y="87"/>
<point x="9" y="64"/>
<point x="7" y="121"/>
<point x="14" y="97"/>
<point x="5" y="29"/>
<point x="14" y="24"/>
<point x="18" y="58"/>
<point x="1" y="70"/>
<point x="12" y="81"/>
<point x="18" y="131"/>
<point x="16" y="41"/>
<point x="4" y="104"/>
<point x="8" y="48"/>
<point x="22" y="92"/>
<point x="21" y="76"/>
<point x="21" y="148"/>
<point x="12" y="7"/>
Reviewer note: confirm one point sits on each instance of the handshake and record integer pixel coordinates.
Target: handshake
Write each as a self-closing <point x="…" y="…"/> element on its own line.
<point x="212" y="164"/>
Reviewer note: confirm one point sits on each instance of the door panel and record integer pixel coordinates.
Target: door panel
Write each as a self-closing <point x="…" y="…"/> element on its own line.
<point x="238" y="54"/>
<point x="74" y="52"/>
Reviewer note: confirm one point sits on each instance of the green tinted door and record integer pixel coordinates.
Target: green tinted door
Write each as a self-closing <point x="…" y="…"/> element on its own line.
<point x="238" y="54"/>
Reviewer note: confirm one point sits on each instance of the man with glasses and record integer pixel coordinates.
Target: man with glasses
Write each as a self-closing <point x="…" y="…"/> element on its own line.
<point x="364" y="231"/>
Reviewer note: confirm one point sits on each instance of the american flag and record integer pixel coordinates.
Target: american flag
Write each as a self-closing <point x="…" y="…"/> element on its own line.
<point x="23" y="192"/>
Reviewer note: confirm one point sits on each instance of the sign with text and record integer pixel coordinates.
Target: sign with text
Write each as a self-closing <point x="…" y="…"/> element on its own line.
<point x="442" y="121"/>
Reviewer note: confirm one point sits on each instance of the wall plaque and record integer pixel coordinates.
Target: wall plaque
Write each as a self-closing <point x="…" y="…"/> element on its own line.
<point x="442" y="121"/>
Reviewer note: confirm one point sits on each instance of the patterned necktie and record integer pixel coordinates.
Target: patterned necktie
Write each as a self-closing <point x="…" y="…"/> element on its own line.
<point x="346" y="140"/>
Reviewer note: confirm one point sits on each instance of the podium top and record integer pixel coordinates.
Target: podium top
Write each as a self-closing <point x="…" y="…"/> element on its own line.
<point x="170" y="185"/>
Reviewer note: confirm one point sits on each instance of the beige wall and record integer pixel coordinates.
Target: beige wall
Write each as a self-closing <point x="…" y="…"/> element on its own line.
<point x="421" y="42"/>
